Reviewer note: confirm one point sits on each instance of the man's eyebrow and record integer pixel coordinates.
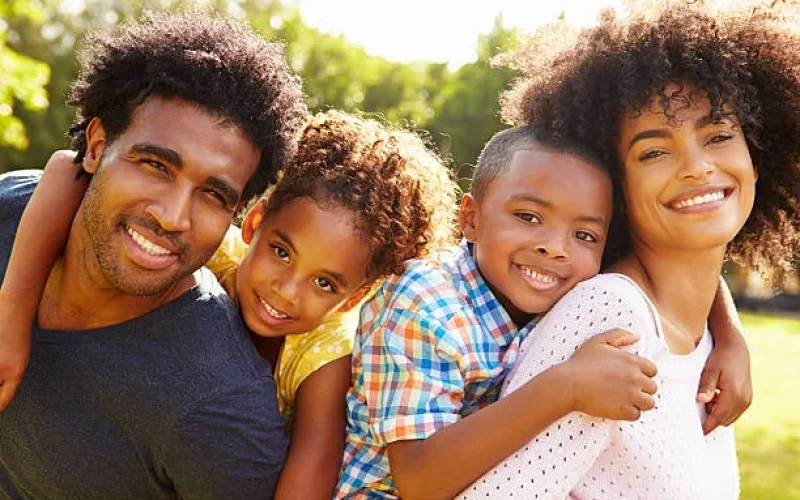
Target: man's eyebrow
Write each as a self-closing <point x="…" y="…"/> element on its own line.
<point x="168" y="155"/>
<point x="230" y="193"/>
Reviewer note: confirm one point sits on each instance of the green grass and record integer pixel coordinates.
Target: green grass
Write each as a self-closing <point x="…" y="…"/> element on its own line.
<point x="768" y="434"/>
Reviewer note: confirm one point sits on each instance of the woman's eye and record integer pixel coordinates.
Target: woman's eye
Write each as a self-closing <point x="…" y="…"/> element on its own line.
<point x="281" y="253"/>
<point x="720" y="138"/>
<point x="649" y="155"/>
<point x="527" y="217"/>
<point x="325" y="284"/>
<point x="586" y="236"/>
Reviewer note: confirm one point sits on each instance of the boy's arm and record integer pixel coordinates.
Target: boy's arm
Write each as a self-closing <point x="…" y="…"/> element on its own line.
<point x="607" y="382"/>
<point x="725" y="385"/>
<point x="40" y="238"/>
<point x="315" y="452"/>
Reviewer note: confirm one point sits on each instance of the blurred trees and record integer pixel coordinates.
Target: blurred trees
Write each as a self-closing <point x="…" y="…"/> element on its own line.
<point x="459" y="108"/>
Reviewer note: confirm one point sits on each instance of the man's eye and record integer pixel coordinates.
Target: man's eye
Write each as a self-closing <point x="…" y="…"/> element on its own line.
<point x="325" y="284"/>
<point x="527" y="217"/>
<point x="281" y="252"/>
<point x="586" y="236"/>
<point x="155" y="165"/>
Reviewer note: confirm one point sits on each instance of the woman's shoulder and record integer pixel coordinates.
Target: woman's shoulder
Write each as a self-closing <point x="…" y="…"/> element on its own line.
<point x="608" y="290"/>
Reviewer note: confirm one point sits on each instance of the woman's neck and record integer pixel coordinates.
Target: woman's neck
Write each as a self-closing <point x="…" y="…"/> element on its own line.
<point x="681" y="284"/>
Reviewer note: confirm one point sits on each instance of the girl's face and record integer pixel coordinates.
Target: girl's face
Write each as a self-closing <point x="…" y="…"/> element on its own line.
<point x="305" y="262"/>
<point x="689" y="183"/>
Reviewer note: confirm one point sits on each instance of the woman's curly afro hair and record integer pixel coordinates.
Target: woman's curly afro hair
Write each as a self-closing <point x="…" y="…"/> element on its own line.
<point x="403" y="197"/>
<point x="217" y="63"/>
<point x="747" y="60"/>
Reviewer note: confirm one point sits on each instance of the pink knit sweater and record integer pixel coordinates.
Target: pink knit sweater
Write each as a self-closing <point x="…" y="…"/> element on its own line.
<point x="663" y="455"/>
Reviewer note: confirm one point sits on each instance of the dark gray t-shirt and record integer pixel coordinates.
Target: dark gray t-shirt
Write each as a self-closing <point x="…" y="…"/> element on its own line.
<point x="176" y="403"/>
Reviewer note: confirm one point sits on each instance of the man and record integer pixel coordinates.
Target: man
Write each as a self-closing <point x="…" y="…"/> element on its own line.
<point x="142" y="381"/>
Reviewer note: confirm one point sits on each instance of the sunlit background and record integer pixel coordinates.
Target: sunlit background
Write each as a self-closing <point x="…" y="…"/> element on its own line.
<point x="417" y="63"/>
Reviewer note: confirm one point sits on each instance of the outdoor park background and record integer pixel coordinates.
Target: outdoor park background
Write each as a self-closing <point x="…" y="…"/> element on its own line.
<point x="455" y="105"/>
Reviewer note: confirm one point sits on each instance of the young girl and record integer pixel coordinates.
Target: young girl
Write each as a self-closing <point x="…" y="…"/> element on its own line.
<point x="356" y="203"/>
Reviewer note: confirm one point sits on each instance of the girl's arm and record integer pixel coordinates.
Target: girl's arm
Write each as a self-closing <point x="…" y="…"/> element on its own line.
<point x="725" y="385"/>
<point x="315" y="453"/>
<point x="41" y="236"/>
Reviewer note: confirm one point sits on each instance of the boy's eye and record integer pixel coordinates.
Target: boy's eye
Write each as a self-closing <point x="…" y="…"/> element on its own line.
<point x="586" y="236"/>
<point x="281" y="253"/>
<point x="325" y="284"/>
<point x="527" y="217"/>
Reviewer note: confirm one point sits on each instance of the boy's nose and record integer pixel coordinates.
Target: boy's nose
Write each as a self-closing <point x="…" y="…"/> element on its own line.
<point x="554" y="248"/>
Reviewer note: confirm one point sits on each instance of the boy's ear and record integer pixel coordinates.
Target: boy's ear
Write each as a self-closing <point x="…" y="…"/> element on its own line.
<point x="468" y="217"/>
<point x="252" y="220"/>
<point x="354" y="299"/>
<point x="95" y="142"/>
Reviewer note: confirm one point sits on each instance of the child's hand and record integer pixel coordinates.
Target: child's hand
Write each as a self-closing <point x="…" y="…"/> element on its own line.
<point x="15" y="348"/>
<point x="610" y="383"/>
<point x="725" y="385"/>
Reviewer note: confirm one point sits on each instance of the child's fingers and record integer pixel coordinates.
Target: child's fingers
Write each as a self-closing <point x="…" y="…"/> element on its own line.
<point x="645" y="402"/>
<point x="617" y="338"/>
<point x="647" y="367"/>
<point x="709" y="381"/>
<point x="649" y="385"/>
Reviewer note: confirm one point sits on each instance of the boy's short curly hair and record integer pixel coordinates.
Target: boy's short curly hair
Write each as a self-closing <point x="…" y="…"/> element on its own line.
<point x="745" y="60"/>
<point x="219" y="64"/>
<point x="403" y="196"/>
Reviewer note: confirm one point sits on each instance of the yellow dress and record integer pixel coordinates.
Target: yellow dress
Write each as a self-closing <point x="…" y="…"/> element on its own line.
<point x="302" y="354"/>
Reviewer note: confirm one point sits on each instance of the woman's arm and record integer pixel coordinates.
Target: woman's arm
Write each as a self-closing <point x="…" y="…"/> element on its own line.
<point x="41" y="236"/>
<point x="315" y="453"/>
<point x="725" y="385"/>
<point x="552" y="463"/>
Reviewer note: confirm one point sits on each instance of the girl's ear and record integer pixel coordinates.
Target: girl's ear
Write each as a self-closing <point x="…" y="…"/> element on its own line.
<point x="354" y="299"/>
<point x="95" y="142"/>
<point x="252" y="220"/>
<point x="468" y="217"/>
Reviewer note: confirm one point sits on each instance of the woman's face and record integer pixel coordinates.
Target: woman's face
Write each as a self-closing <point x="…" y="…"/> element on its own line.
<point x="689" y="183"/>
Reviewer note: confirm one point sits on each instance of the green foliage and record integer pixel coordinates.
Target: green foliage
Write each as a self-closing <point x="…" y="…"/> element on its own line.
<point x="768" y="434"/>
<point x="22" y="81"/>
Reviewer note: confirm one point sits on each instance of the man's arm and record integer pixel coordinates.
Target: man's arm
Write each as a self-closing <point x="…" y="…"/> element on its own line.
<point x="41" y="236"/>
<point x="725" y="385"/>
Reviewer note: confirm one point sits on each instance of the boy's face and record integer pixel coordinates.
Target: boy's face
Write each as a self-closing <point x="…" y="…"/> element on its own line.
<point x="304" y="263"/>
<point x="539" y="229"/>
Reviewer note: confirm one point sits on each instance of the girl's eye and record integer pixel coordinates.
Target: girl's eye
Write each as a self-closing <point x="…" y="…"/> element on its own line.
<point x="281" y="253"/>
<point x="528" y="217"/>
<point x="325" y="284"/>
<point x="652" y="154"/>
<point x="586" y="236"/>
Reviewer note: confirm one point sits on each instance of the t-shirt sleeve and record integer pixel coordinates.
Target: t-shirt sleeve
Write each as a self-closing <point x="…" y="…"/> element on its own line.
<point x="558" y="458"/>
<point x="230" y="446"/>
<point x="413" y="379"/>
<point x="226" y="260"/>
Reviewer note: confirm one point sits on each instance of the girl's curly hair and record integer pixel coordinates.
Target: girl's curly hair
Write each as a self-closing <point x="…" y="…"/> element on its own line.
<point x="747" y="60"/>
<point x="403" y="196"/>
<point x="217" y="63"/>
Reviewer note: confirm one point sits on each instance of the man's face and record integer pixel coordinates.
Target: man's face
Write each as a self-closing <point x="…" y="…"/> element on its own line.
<point x="163" y="194"/>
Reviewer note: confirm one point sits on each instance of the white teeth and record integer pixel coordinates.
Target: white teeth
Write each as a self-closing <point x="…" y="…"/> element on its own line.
<point x="147" y="245"/>
<point x="272" y="311"/>
<point x="537" y="276"/>
<point x="699" y="200"/>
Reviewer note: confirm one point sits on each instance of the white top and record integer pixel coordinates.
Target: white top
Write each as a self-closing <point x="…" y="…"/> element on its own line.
<point x="663" y="455"/>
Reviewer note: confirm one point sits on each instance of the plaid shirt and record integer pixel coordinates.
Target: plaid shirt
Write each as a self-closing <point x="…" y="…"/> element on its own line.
<point x="433" y="346"/>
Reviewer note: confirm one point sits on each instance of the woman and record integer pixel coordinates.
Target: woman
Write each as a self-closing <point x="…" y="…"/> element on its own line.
<point x="701" y="114"/>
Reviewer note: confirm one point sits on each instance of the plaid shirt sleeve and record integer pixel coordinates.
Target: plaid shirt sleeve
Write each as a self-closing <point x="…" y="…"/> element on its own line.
<point x="413" y="373"/>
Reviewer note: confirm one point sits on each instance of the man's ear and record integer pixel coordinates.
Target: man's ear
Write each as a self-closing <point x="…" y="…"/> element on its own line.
<point x="468" y="217"/>
<point x="252" y="220"/>
<point x="95" y="142"/>
<point x="354" y="299"/>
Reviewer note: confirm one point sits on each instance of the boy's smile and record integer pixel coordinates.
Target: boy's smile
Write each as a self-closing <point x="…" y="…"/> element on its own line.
<point x="539" y="229"/>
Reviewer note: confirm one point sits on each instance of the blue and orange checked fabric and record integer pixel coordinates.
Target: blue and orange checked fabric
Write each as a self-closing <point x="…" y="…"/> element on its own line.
<point x="433" y="346"/>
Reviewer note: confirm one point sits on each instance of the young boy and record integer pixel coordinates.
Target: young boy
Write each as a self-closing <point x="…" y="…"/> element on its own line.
<point x="436" y="342"/>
